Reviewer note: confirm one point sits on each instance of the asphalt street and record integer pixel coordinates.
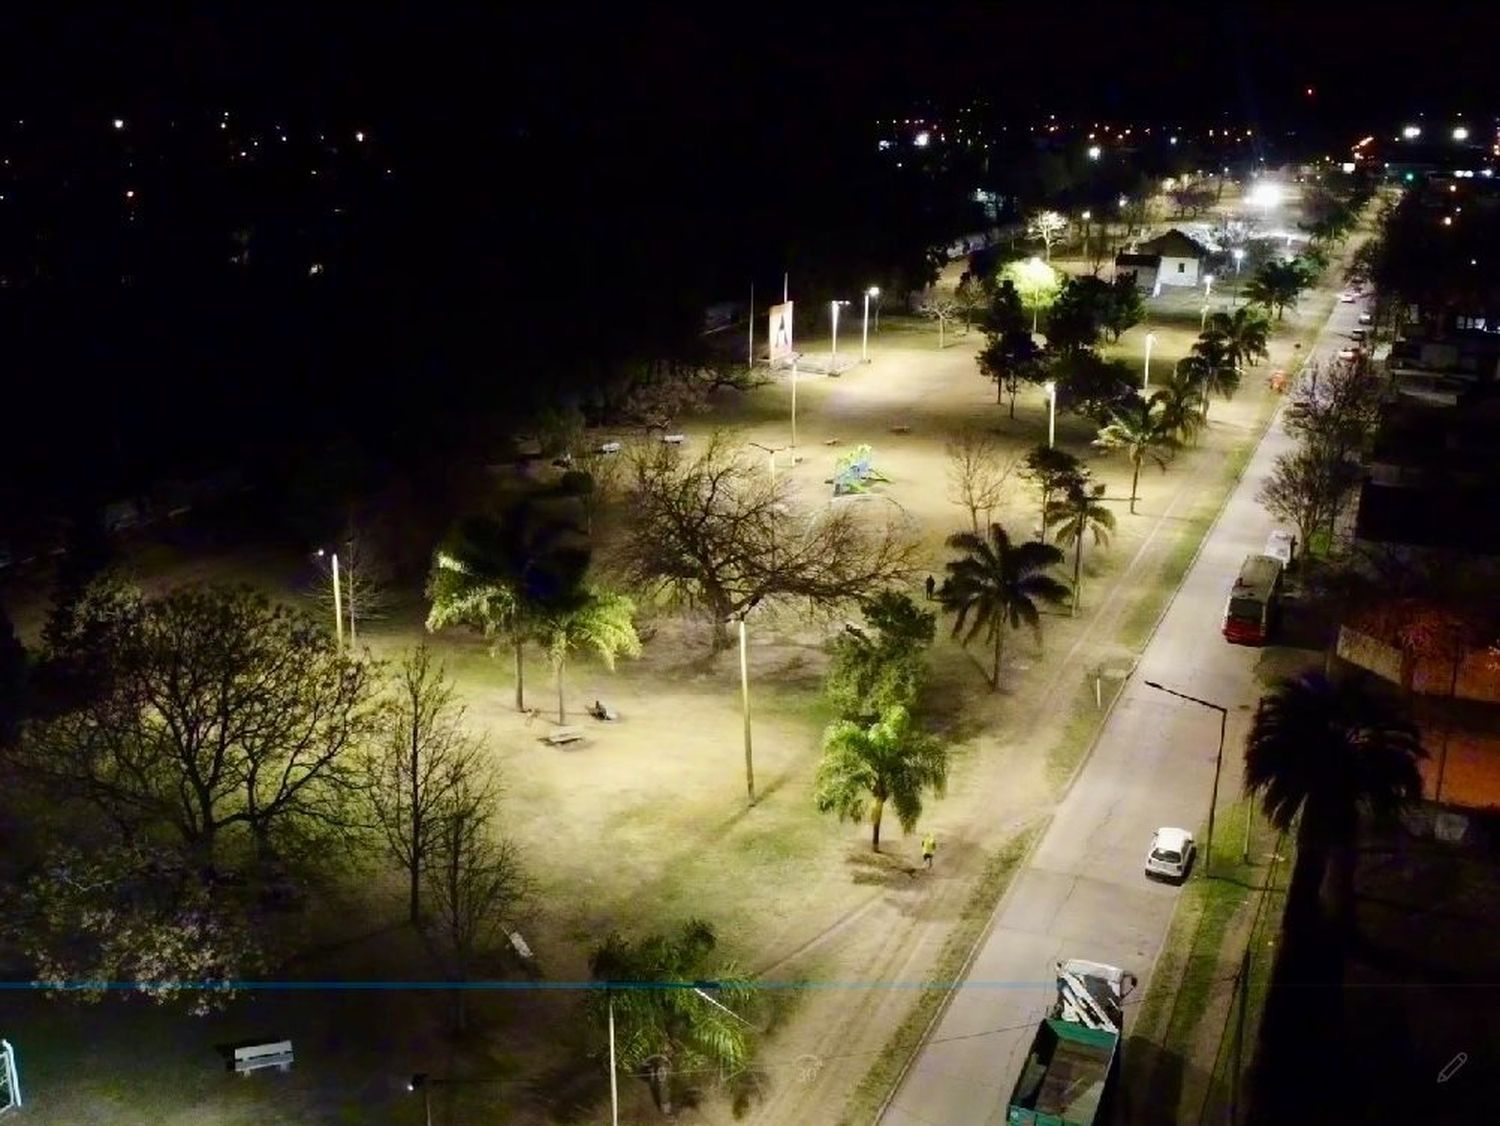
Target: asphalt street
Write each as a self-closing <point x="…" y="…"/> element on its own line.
<point x="1083" y="893"/>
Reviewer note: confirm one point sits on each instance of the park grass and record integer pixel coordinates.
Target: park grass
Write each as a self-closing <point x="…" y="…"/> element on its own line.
<point x="1085" y="721"/>
<point x="889" y="1064"/>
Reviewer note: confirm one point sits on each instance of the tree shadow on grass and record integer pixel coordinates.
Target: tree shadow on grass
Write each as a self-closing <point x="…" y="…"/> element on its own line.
<point x="879" y="869"/>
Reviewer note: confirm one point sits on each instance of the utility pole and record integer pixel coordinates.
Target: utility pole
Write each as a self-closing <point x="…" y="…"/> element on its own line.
<point x="1213" y="801"/>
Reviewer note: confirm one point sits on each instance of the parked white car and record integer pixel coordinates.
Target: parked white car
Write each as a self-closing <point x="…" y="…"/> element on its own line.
<point x="1280" y="545"/>
<point x="1171" y="854"/>
<point x="1348" y="297"/>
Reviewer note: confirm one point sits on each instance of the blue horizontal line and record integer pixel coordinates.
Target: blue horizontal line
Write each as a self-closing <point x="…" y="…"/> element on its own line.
<point x="501" y="986"/>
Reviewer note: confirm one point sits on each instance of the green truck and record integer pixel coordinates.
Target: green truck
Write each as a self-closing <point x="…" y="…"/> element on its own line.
<point x="1073" y="1061"/>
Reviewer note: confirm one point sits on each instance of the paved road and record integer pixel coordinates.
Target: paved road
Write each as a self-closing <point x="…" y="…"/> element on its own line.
<point x="1083" y="894"/>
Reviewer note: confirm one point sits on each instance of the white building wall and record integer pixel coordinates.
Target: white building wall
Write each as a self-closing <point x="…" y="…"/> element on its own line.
<point x="1178" y="271"/>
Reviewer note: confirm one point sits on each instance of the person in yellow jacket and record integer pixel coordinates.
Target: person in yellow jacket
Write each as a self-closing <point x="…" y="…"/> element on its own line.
<point x="929" y="849"/>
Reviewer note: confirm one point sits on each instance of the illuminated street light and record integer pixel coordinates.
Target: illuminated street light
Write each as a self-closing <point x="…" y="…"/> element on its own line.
<point x="833" y="363"/>
<point x="338" y="604"/>
<point x="1208" y="286"/>
<point x="1094" y="151"/>
<point x="1266" y="194"/>
<point x="1051" y="412"/>
<point x="1412" y="132"/>
<point x="119" y="123"/>
<point x="864" y="339"/>
<point x="1239" y="256"/>
<point x="1146" y="375"/>
<point x="921" y="139"/>
<point x="1460" y="134"/>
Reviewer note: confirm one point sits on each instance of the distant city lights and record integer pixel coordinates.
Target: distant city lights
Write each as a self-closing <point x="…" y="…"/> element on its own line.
<point x="119" y="123"/>
<point x="921" y="139"/>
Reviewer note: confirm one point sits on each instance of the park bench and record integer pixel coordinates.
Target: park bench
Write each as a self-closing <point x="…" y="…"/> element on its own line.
<point x="565" y="735"/>
<point x="609" y="448"/>
<point x="518" y="944"/>
<point x="271" y="1053"/>
<point x="674" y="439"/>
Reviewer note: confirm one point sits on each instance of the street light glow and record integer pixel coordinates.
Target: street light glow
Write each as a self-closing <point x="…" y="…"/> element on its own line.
<point x="921" y="139"/>
<point x="1266" y="194"/>
<point x="1094" y="151"/>
<point x="119" y="123"/>
<point x="1412" y="132"/>
<point x="1460" y="134"/>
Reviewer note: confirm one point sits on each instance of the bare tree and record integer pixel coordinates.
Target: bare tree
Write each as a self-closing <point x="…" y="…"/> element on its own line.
<point x="1308" y="488"/>
<point x="978" y="474"/>
<point x="941" y="309"/>
<point x="424" y="754"/>
<point x="475" y="883"/>
<point x="1335" y="409"/>
<point x="719" y="534"/>
<point x="366" y="591"/>
<point x="1046" y="226"/>
<point x="214" y="712"/>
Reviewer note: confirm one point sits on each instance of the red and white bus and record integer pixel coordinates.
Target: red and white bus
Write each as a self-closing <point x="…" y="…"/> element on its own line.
<point x="1252" y="602"/>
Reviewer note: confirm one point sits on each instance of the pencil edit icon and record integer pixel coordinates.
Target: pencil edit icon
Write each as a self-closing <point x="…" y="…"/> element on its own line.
<point x="1450" y="1069"/>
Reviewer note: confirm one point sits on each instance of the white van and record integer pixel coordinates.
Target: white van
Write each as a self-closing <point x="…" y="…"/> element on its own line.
<point x="1281" y="546"/>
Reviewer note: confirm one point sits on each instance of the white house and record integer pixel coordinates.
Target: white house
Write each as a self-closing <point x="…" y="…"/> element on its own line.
<point x="1170" y="259"/>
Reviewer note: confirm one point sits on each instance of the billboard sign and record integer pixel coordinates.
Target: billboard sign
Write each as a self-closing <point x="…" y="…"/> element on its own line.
<point x="780" y="334"/>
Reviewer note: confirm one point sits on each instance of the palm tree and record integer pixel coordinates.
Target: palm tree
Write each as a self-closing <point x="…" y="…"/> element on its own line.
<point x="665" y="1018"/>
<point x="1245" y="333"/>
<point x="597" y="619"/>
<point x="1181" y="400"/>
<point x="1276" y="285"/>
<point x="997" y="583"/>
<point x="1140" y="429"/>
<point x="495" y="575"/>
<point x="1210" y="368"/>
<point x="1327" y="750"/>
<point x="1079" y="512"/>
<point x="891" y="760"/>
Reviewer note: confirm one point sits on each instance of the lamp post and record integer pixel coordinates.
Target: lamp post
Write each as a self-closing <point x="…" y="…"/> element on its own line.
<point x="745" y="695"/>
<point x="1051" y="412"/>
<point x="338" y="602"/>
<point x="1239" y="257"/>
<point x="1087" y="215"/>
<point x="794" y="409"/>
<point x="1213" y="801"/>
<point x="423" y="1082"/>
<point x="750" y="346"/>
<point x="833" y="363"/>
<point x="1146" y="374"/>
<point x="864" y="339"/>
<point x="614" y="1083"/>
<point x="1203" y="317"/>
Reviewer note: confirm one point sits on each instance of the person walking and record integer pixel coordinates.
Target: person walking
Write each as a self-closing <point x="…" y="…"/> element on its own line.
<point x="929" y="850"/>
<point x="931" y="586"/>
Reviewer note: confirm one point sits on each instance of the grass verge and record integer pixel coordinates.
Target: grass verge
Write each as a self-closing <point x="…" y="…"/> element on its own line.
<point x="866" y="1101"/>
<point x="1084" y="719"/>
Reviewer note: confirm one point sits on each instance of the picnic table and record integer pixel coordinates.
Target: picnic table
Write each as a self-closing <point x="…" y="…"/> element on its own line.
<point x="565" y="735"/>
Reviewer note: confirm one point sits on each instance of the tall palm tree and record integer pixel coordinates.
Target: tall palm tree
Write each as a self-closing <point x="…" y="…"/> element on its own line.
<point x="1328" y="750"/>
<point x="666" y="1019"/>
<point x="1139" y="429"/>
<point x="1245" y="333"/>
<point x="1212" y="372"/>
<point x="1276" y="285"/>
<point x="495" y="575"/>
<point x="1181" y="404"/>
<point x="599" y="620"/>
<point x="891" y="760"/>
<point x="1078" y="513"/>
<point x="996" y="584"/>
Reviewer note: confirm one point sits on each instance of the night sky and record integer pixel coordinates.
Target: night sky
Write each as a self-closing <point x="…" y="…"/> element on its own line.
<point x="559" y="180"/>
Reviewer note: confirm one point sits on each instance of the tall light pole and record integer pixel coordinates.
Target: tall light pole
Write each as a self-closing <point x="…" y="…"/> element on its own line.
<point x="1146" y="374"/>
<point x="1087" y="215"/>
<point x="338" y="602"/>
<point x="864" y="340"/>
<point x="1203" y="317"/>
<point x="750" y="355"/>
<point x="833" y="363"/>
<point x="745" y="696"/>
<point x="1213" y="801"/>
<point x="1239" y="257"/>
<point x="614" y="1082"/>
<point x="1051" y="412"/>
<point x="794" y="409"/>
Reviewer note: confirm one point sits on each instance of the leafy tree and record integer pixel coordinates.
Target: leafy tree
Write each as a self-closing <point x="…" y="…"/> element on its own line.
<point x="676" y="1009"/>
<point x="715" y="531"/>
<point x="1046" y="227"/>
<point x="497" y="575"/>
<point x="890" y="760"/>
<point x="1139" y="429"/>
<point x="1076" y="317"/>
<point x="1308" y="487"/>
<point x="1004" y="309"/>
<point x="1191" y="199"/>
<point x="1077" y="514"/>
<point x="996" y="583"/>
<point x="883" y="664"/>
<point x="218" y="715"/>
<point x="1092" y="386"/>
<point x="1327" y="752"/>
<point x="978" y="473"/>
<point x="88" y="554"/>
<point x="423" y="756"/>
<point x="1125" y="307"/>
<point x="1276" y="285"/>
<point x="475" y="884"/>
<point x="971" y="298"/>
<point x="135" y="913"/>
<point x="600" y="620"/>
<point x="1011" y="359"/>
<point x="1035" y="283"/>
<point x="1052" y="471"/>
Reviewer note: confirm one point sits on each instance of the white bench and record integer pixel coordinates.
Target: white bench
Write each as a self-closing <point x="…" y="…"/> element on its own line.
<point x="609" y="448"/>
<point x="674" y="439"/>
<point x="253" y="1057"/>
<point x="518" y="944"/>
<point x="565" y="735"/>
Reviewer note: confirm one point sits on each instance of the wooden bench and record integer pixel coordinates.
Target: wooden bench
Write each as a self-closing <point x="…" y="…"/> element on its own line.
<point x="272" y="1053"/>
<point x="565" y="735"/>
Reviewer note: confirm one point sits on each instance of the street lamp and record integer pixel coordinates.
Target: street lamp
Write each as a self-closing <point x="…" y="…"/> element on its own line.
<point x="1208" y="286"/>
<point x="1051" y="412"/>
<point x="1203" y="317"/>
<point x="1213" y="801"/>
<point x="794" y="408"/>
<point x="1238" y="254"/>
<point x="1146" y="375"/>
<point x="745" y="694"/>
<point x="864" y="339"/>
<point x="1087" y="215"/>
<point x="833" y="363"/>
<point x="1094" y="152"/>
<point x="1460" y="133"/>
<point x="338" y="605"/>
<point x="423" y="1082"/>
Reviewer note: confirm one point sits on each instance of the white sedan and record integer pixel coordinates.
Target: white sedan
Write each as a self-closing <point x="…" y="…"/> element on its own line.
<point x="1171" y="854"/>
<point x="1348" y="297"/>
